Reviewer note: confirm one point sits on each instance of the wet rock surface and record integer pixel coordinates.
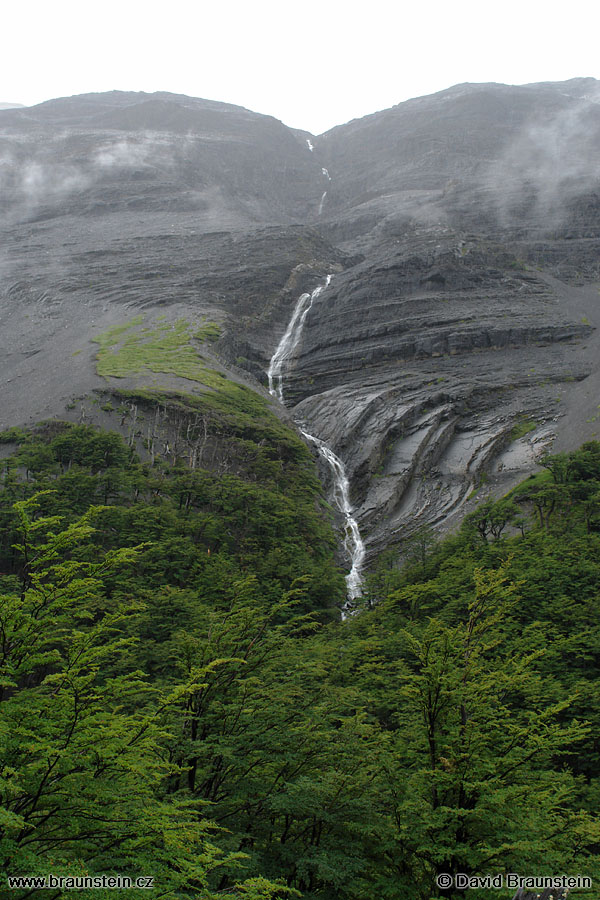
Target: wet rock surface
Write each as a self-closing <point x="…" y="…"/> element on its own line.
<point x="458" y="338"/>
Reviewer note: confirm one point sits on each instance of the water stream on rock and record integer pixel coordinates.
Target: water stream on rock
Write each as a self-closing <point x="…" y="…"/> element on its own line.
<point x="353" y="543"/>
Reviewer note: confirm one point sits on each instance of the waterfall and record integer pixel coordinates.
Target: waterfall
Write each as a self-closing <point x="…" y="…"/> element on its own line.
<point x="290" y="340"/>
<point x="353" y="543"/>
<point x="322" y="202"/>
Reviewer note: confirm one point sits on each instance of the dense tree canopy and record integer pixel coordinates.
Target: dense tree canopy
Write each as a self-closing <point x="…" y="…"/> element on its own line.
<point x="179" y="698"/>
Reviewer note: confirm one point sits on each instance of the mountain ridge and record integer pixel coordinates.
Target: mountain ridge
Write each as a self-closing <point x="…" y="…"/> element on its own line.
<point x="468" y="86"/>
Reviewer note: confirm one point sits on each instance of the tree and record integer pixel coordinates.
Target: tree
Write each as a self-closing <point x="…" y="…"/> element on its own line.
<point x="470" y="781"/>
<point x="492" y="517"/>
<point x="84" y="756"/>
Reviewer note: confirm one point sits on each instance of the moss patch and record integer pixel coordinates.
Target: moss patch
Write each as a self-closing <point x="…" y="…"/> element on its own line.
<point x="167" y="348"/>
<point x="208" y="331"/>
<point x="128" y="349"/>
<point x="521" y="428"/>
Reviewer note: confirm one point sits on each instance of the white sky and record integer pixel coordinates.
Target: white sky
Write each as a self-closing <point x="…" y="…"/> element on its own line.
<point x="313" y="64"/>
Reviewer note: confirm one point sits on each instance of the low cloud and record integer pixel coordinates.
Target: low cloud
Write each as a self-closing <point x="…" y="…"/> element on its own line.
<point x="33" y="173"/>
<point x="548" y="165"/>
<point x="129" y="154"/>
<point x="40" y="182"/>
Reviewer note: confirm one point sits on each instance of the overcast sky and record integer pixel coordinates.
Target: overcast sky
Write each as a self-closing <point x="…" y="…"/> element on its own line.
<point x="313" y="64"/>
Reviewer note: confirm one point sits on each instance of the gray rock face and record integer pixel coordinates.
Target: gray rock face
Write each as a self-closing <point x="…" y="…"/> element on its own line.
<point x="137" y="154"/>
<point x="458" y="338"/>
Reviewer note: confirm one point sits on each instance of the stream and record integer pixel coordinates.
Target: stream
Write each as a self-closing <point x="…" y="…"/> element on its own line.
<point x="353" y="543"/>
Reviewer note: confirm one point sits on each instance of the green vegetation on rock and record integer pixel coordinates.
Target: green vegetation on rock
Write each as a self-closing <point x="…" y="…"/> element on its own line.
<point x="168" y="348"/>
<point x="129" y="349"/>
<point x="208" y="331"/>
<point x="521" y="428"/>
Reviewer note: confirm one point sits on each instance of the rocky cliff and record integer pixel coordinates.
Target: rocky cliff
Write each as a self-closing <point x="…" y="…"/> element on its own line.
<point x="458" y="337"/>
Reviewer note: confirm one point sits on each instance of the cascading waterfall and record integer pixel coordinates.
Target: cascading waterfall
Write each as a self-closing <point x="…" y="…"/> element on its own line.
<point x="324" y="172"/>
<point x="290" y="340"/>
<point x="353" y="543"/>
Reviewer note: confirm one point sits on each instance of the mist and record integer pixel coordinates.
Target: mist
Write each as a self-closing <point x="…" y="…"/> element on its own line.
<point x="548" y="166"/>
<point x="35" y="173"/>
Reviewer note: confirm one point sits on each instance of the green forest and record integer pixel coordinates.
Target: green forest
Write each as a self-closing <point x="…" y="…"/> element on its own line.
<point x="181" y="700"/>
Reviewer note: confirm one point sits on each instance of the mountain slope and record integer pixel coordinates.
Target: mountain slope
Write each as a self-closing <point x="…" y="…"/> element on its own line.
<point x="456" y="341"/>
